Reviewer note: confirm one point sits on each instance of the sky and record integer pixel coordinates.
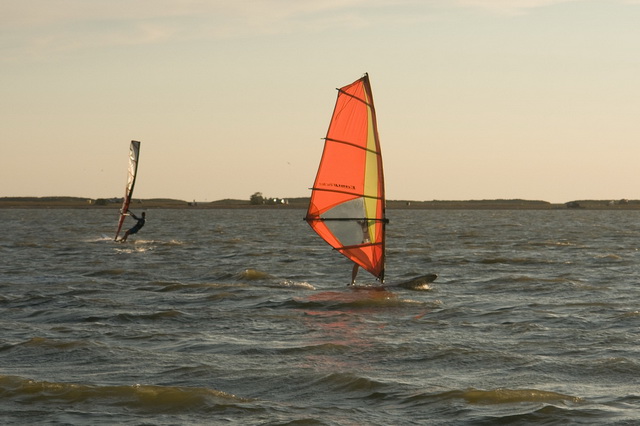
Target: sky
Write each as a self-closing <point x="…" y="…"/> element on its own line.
<point x="475" y="99"/>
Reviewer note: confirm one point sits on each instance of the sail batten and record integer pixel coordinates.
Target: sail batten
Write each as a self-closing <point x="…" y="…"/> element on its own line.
<point x="347" y="206"/>
<point x="355" y="97"/>
<point x="355" y="145"/>
<point x="134" y="154"/>
<point x="356" y="246"/>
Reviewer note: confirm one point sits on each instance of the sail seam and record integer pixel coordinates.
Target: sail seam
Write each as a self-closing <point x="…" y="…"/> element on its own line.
<point x="348" y="193"/>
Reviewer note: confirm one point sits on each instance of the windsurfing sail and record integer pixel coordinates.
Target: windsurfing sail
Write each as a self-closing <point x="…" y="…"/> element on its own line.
<point x="347" y="206"/>
<point x="134" y="154"/>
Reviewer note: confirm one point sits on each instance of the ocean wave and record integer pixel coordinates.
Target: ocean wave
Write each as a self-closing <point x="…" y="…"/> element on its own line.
<point x="44" y="342"/>
<point x="171" y="313"/>
<point x="495" y="396"/>
<point x="106" y="273"/>
<point x="253" y="275"/>
<point x="528" y="279"/>
<point x="622" y="366"/>
<point x="552" y="243"/>
<point x="515" y="261"/>
<point x="295" y="284"/>
<point x="322" y="348"/>
<point x="138" y="397"/>
<point x="135" y="317"/>
<point x="347" y="382"/>
<point x="165" y="286"/>
<point x="510" y="396"/>
<point x="354" y="299"/>
<point x="335" y="302"/>
<point x="608" y="257"/>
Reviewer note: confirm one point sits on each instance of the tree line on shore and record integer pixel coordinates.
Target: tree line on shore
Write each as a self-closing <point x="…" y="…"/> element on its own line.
<point x="257" y="200"/>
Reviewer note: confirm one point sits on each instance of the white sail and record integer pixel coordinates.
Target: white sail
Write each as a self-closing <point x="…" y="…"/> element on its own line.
<point x="134" y="154"/>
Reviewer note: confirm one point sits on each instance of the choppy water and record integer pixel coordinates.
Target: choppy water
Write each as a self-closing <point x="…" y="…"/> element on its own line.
<point x="243" y="317"/>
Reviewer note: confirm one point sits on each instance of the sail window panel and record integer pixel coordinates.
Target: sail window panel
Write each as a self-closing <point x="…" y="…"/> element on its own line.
<point x="348" y="232"/>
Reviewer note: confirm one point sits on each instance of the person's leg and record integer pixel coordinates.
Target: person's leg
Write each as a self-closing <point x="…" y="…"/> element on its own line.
<point x="354" y="272"/>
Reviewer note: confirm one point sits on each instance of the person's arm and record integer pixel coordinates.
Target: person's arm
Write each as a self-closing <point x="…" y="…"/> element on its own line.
<point x="132" y="215"/>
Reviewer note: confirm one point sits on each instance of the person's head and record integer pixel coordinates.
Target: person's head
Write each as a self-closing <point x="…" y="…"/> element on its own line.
<point x="143" y="214"/>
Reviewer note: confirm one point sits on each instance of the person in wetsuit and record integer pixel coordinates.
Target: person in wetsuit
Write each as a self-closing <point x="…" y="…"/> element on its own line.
<point x="135" y="227"/>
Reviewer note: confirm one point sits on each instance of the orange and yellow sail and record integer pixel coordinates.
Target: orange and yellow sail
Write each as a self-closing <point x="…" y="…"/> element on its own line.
<point x="347" y="207"/>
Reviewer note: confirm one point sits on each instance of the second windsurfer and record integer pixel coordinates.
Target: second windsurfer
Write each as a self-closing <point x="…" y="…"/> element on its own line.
<point x="136" y="227"/>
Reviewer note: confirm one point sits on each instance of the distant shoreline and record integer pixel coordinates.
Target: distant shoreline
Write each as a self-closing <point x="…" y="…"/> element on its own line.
<point x="301" y="203"/>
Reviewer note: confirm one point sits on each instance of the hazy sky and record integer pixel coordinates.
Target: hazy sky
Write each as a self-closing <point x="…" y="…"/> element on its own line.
<point x="476" y="99"/>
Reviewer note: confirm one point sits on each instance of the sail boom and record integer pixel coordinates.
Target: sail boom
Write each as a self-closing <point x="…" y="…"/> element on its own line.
<point x="355" y="219"/>
<point x="357" y="246"/>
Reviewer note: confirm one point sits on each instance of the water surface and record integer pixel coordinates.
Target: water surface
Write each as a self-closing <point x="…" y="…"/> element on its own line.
<point x="243" y="317"/>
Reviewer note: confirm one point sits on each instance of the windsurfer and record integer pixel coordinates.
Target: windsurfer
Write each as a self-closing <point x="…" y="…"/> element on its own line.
<point x="136" y="227"/>
<point x="346" y="208"/>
